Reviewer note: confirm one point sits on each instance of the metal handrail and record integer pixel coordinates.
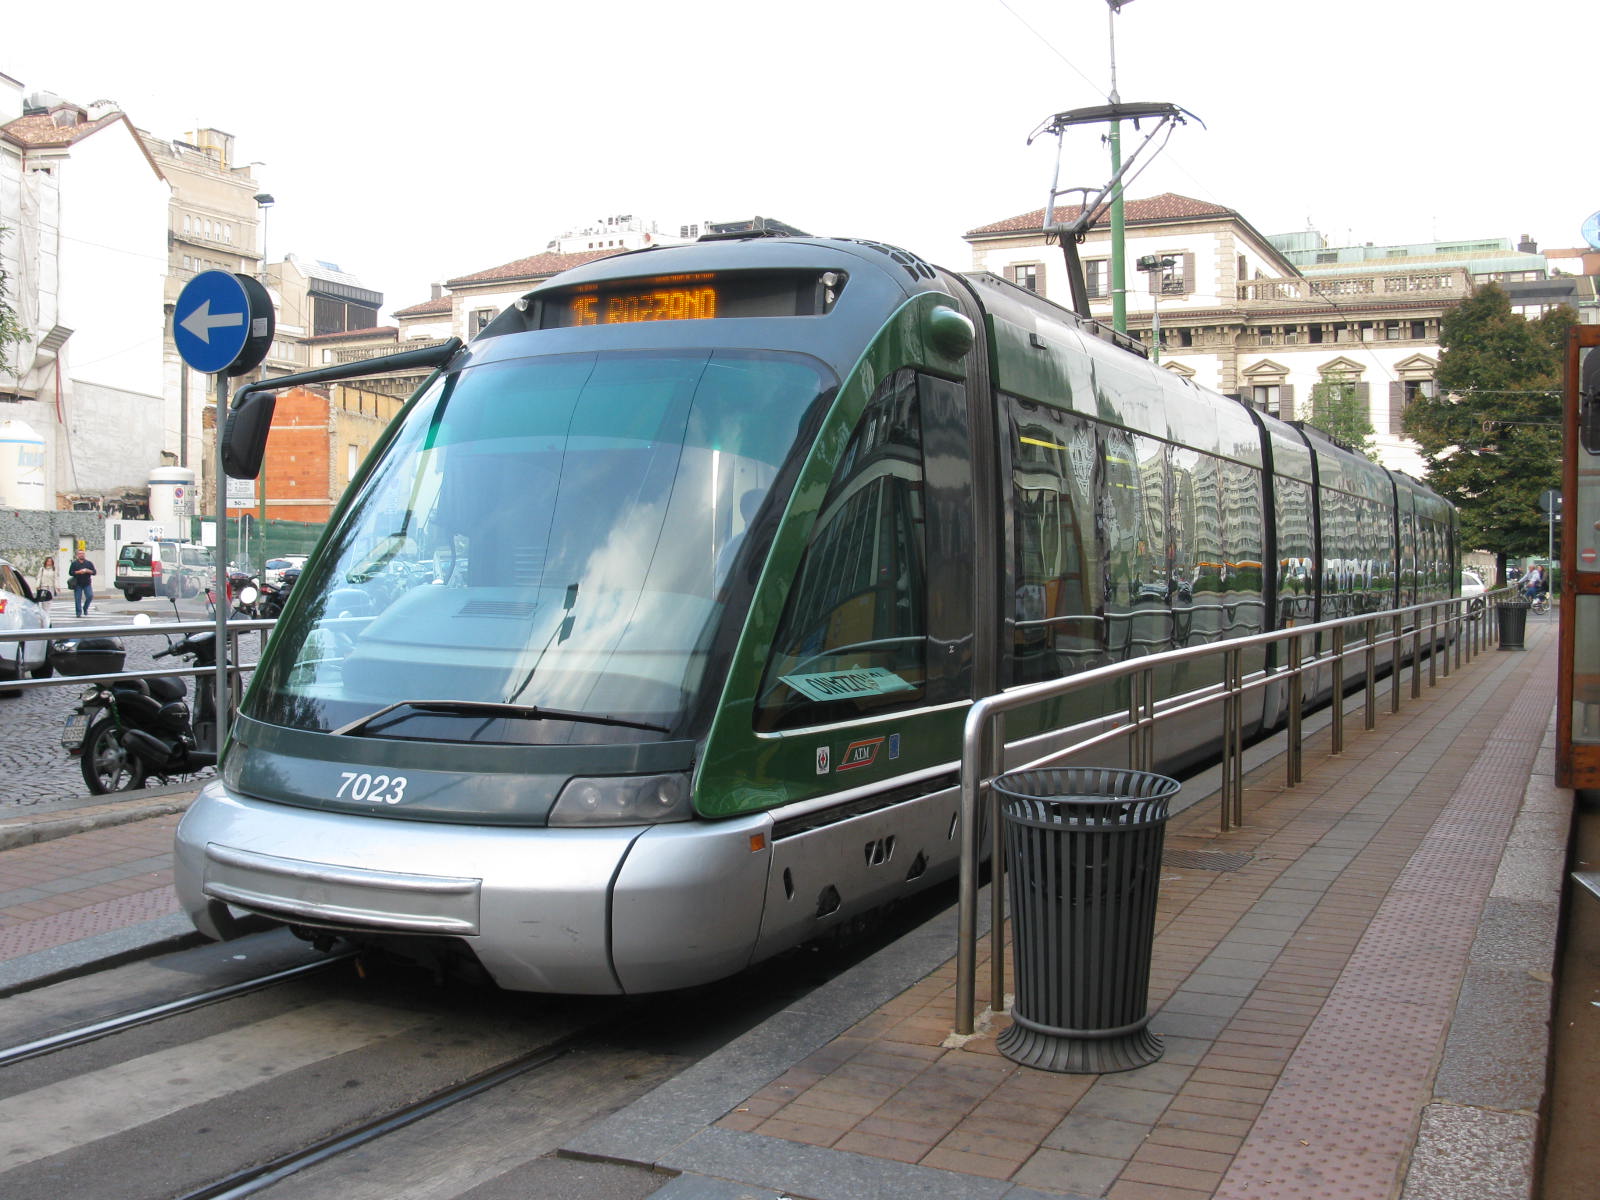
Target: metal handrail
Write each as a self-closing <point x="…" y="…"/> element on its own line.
<point x="983" y="738"/>
<point x="171" y="628"/>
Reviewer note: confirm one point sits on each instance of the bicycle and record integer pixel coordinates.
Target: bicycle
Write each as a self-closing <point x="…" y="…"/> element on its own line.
<point x="1540" y="604"/>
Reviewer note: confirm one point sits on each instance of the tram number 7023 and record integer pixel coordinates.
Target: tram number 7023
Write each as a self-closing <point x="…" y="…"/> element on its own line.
<point x="379" y="789"/>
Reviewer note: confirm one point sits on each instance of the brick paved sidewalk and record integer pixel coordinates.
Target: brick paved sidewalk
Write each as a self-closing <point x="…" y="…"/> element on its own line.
<point x="98" y="881"/>
<point x="1305" y="998"/>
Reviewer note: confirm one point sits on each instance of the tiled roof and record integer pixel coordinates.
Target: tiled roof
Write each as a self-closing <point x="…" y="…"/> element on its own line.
<point x="427" y="308"/>
<point x="41" y="129"/>
<point x="386" y="332"/>
<point x="540" y="266"/>
<point x="1169" y="206"/>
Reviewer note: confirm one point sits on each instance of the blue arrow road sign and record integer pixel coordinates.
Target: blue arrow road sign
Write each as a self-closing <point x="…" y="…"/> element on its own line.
<point x="216" y="317"/>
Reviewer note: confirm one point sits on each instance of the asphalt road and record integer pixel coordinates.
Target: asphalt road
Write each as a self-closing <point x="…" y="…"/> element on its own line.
<point x="34" y="769"/>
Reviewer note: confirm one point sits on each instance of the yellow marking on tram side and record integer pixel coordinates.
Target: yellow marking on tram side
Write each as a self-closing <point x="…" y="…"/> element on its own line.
<point x="1028" y="441"/>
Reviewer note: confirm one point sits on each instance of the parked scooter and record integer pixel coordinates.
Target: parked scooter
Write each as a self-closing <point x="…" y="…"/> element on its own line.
<point x="275" y="596"/>
<point x="131" y="732"/>
<point x="239" y="580"/>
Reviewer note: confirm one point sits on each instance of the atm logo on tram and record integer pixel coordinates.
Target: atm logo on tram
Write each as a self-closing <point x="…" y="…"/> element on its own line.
<point x="860" y="754"/>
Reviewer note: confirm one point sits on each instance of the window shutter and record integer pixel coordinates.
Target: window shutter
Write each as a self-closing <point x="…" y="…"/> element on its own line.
<point x="1397" y="404"/>
<point x="1188" y="274"/>
<point x="1038" y="279"/>
<point x="1286" y="402"/>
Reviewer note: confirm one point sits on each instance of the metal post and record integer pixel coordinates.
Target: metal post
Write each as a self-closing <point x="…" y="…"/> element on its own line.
<point x="1416" y="659"/>
<point x="1370" y="715"/>
<point x="1338" y="690"/>
<point x="1443" y="646"/>
<point x="1135" y="709"/>
<point x="1147" y="727"/>
<point x="967" y="906"/>
<point x="1119" y="265"/>
<point x="221" y="481"/>
<point x="995" y="756"/>
<point x="1232" y="808"/>
<point x="1396" y="637"/>
<point x="973" y="767"/>
<point x="1292" y="764"/>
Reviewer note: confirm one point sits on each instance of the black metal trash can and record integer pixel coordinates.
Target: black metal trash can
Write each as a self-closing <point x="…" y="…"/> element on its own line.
<point x="1083" y="850"/>
<point x="1513" y="618"/>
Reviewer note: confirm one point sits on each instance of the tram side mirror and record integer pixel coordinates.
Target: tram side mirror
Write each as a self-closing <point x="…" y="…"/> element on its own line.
<point x="244" y="440"/>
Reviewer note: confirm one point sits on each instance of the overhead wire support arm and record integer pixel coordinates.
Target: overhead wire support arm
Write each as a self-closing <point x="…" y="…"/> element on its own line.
<point x="1167" y="117"/>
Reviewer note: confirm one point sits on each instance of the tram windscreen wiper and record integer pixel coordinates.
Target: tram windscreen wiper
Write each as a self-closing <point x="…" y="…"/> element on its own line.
<point x="490" y="708"/>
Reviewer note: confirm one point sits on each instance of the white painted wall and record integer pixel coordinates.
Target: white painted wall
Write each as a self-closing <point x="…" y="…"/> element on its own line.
<point x="114" y="262"/>
<point x="113" y="439"/>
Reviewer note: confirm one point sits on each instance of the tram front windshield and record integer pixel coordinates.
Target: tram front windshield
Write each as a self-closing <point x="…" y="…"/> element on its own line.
<point x="542" y="553"/>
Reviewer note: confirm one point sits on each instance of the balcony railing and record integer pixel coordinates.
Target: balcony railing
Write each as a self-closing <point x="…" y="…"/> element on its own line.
<point x="1441" y="284"/>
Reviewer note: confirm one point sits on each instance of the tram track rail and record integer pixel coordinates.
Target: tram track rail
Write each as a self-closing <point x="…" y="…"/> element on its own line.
<point x="95" y="1030"/>
<point x="259" y="1177"/>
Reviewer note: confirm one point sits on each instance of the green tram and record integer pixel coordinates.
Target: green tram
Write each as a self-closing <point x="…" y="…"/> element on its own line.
<point x="640" y="648"/>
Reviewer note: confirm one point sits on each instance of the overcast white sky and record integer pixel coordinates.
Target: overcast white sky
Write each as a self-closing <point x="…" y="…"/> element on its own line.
<point x="412" y="144"/>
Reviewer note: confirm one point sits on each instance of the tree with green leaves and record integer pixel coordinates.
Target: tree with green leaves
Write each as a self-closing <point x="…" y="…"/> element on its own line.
<point x="1491" y="436"/>
<point x="11" y="331"/>
<point x="1338" y="410"/>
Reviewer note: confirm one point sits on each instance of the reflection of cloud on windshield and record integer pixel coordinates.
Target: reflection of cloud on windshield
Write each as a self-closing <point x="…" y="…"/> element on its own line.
<point x="613" y="615"/>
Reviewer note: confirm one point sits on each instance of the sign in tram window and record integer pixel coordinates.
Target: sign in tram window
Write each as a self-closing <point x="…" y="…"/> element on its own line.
<point x="702" y="296"/>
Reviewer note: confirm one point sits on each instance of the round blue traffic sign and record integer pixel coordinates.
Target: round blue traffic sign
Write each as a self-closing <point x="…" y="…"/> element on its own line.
<point x="223" y="322"/>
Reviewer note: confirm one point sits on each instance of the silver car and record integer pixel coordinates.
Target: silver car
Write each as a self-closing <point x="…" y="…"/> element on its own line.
<point x="19" y="610"/>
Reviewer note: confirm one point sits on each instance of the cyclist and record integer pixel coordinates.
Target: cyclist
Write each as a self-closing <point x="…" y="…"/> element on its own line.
<point x="1533" y="581"/>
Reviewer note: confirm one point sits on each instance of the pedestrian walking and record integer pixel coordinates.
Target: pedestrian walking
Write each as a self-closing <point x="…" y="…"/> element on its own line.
<point x="81" y="581"/>
<point x="48" y="584"/>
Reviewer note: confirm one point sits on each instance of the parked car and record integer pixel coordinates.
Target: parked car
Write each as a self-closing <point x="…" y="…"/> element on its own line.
<point x="275" y="567"/>
<point x="135" y="571"/>
<point x="1472" y="584"/>
<point x="193" y="570"/>
<point x="20" y="610"/>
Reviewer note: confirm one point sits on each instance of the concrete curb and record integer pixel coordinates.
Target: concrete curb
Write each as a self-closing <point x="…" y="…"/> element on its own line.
<point x="84" y="816"/>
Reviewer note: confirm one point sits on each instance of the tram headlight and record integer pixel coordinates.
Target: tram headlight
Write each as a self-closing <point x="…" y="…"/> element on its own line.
<point x="623" y="800"/>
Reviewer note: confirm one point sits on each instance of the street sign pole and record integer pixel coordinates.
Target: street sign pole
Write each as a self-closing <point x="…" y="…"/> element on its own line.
<point x="221" y="592"/>
<point x="222" y="324"/>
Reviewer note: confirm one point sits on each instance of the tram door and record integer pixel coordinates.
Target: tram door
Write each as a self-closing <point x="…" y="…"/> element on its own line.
<point x="1578" y="715"/>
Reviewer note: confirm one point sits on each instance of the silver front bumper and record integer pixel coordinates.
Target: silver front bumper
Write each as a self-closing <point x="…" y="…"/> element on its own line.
<point x="551" y="910"/>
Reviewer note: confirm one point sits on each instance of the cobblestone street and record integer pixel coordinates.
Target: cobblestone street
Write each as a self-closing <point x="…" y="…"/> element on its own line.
<point x="34" y="769"/>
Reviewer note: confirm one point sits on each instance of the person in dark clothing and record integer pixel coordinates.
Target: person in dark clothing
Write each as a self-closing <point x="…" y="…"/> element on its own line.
<point x="80" y="578"/>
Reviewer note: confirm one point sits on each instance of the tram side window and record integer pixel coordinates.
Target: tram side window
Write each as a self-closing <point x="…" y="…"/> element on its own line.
<point x="1056" y="620"/>
<point x="1196" y="532"/>
<point x="1296" y="552"/>
<point x="1411" y="551"/>
<point x="1338" y="554"/>
<point x="1244" y="534"/>
<point x="1378" y="576"/>
<point x="853" y="638"/>
<point x="1132" y="529"/>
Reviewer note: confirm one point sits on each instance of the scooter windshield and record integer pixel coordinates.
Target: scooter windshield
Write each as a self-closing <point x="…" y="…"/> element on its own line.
<point x="551" y="534"/>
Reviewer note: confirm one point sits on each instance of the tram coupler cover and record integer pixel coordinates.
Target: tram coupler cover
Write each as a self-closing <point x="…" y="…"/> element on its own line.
<point x="1083" y="849"/>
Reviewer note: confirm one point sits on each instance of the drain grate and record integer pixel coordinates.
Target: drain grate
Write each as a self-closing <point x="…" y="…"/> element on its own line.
<point x="1205" y="860"/>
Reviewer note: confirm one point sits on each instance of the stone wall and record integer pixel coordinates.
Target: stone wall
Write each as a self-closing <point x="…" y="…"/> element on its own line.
<point x="28" y="535"/>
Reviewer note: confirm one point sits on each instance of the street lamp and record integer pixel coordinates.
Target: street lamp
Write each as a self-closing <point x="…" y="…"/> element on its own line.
<point x="1154" y="263"/>
<point x="264" y="201"/>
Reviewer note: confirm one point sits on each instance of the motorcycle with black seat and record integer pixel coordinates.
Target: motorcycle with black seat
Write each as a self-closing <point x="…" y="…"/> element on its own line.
<point x="131" y="733"/>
